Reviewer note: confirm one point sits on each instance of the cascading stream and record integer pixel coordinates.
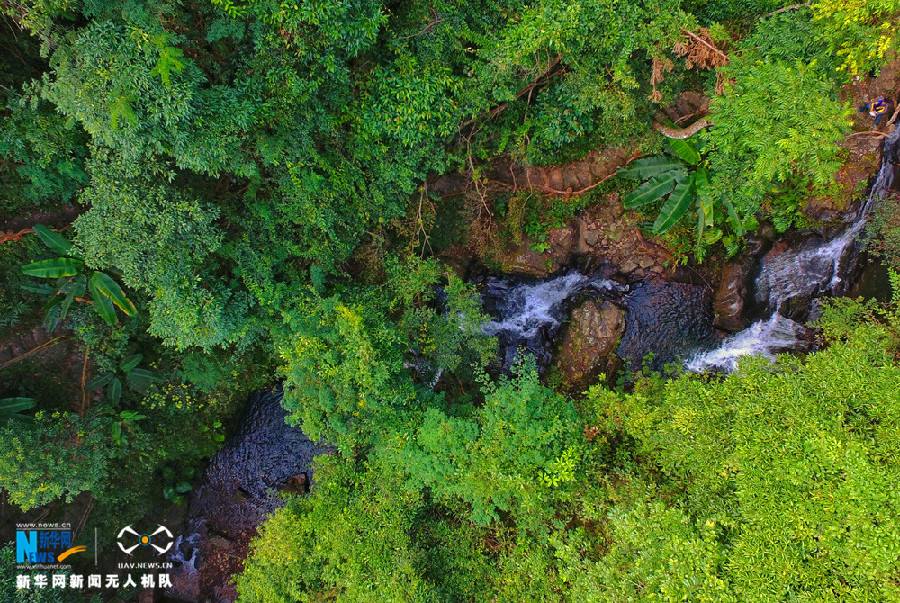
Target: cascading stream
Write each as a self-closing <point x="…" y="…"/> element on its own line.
<point x="811" y="271"/>
<point x="530" y="313"/>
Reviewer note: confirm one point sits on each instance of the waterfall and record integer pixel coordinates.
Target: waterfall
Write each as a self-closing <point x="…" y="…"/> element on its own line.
<point x="529" y="314"/>
<point x="668" y="319"/>
<point x="811" y="271"/>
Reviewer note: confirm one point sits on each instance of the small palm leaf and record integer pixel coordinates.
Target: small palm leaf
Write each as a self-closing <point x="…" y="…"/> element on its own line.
<point x="54" y="268"/>
<point x="140" y="379"/>
<point x="676" y="206"/>
<point x="685" y="150"/>
<point x="9" y="406"/>
<point x="130" y="362"/>
<point x="111" y="289"/>
<point x="651" y="167"/>
<point x="55" y="241"/>
<point x="705" y="205"/>
<point x="652" y="190"/>
<point x="102" y="304"/>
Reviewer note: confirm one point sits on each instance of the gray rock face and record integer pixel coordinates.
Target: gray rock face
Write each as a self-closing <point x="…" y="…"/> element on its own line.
<point x="239" y="489"/>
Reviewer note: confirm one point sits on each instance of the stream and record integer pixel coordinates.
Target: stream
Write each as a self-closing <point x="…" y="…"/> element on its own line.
<point x="665" y="322"/>
<point x="673" y="322"/>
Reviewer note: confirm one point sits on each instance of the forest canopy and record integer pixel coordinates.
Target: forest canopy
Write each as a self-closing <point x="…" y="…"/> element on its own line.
<point x="201" y="199"/>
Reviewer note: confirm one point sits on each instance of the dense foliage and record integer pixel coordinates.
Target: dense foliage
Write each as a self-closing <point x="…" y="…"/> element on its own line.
<point x="773" y="483"/>
<point x="235" y="192"/>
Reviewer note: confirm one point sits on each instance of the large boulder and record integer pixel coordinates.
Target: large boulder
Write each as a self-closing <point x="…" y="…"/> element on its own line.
<point x="728" y="303"/>
<point x="589" y="343"/>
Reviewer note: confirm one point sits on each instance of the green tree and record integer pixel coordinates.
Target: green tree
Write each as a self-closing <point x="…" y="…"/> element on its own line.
<point x="774" y="138"/>
<point x="57" y="455"/>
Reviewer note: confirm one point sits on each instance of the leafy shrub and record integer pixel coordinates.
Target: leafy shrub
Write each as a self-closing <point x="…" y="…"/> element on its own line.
<point x="775" y="129"/>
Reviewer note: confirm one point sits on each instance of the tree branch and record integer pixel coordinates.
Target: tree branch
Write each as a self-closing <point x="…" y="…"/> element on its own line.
<point x="705" y="43"/>
<point x="786" y="8"/>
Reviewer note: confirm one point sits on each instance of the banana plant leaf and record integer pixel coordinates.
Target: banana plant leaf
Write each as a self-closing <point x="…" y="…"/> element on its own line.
<point x="685" y="150"/>
<point x="651" y="167"/>
<point x="140" y="379"/>
<point x="114" y="391"/>
<point x="42" y="289"/>
<point x="651" y="191"/>
<point x="735" y="220"/>
<point x="705" y="205"/>
<point x="130" y="362"/>
<point x="54" y="311"/>
<point x="54" y="268"/>
<point x="678" y="203"/>
<point x="111" y="289"/>
<point x="73" y="289"/>
<point x="102" y="304"/>
<point x="9" y="406"/>
<point x="55" y="241"/>
<point x="100" y="381"/>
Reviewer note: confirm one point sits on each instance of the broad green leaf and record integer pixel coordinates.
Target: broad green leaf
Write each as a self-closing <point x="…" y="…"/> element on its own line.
<point x="685" y="150"/>
<point x="140" y="379"/>
<point x="42" y="289"/>
<point x="130" y="362"/>
<point x="117" y="433"/>
<point x="130" y="416"/>
<point x="106" y="285"/>
<point x="54" y="268"/>
<point x="9" y="406"/>
<point x="735" y="220"/>
<point x="651" y="167"/>
<point x="705" y="205"/>
<point x="701" y="228"/>
<point x="51" y="321"/>
<point x="676" y="206"/>
<point x="114" y="391"/>
<point x="55" y="241"/>
<point x="650" y="191"/>
<point x="102" y="304"/>
<point x="101" y="381"/>
<point x="73" y="289"/>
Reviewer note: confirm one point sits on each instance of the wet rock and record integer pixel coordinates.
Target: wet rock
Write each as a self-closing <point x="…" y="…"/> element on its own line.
<point x="590" y="339"/>
<point x="297" y="484"/>
<point x="728" y="303"/>
<point x="239" y="489"/>
<point x="529" y="314"/>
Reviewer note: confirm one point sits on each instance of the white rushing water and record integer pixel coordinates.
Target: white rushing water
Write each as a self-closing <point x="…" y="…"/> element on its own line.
<point x="530" y="313"/>
<point x="811" y="270"/>
<point x="530" y="307"/>
<point x="762" y="338"/>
